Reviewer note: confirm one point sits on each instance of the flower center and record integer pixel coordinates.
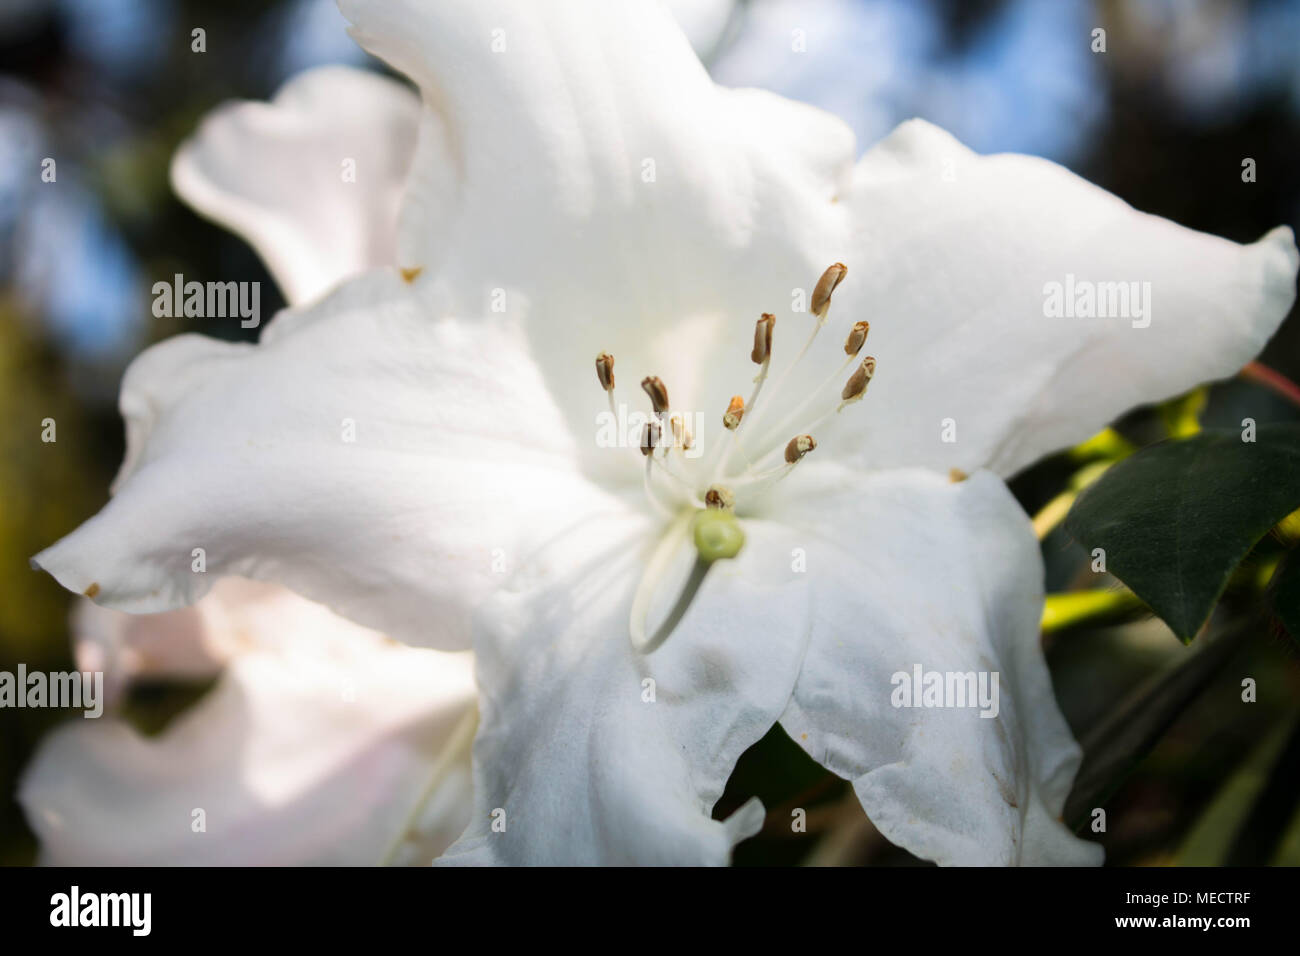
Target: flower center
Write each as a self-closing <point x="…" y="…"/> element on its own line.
<point x="698" y="492"/>
<point x="757" y="430"/>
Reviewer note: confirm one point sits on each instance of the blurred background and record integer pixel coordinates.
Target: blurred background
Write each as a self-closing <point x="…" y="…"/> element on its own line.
<point x="1184" y="92"/>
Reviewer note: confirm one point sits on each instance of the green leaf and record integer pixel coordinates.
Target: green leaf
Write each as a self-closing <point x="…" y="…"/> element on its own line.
<point x="1177" y="518"/>
<point x="1286" y="594"/>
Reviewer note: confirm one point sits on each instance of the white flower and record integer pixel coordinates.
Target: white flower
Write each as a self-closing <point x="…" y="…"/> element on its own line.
<point x="580" y="186"/>
<point x="321" y="742"/>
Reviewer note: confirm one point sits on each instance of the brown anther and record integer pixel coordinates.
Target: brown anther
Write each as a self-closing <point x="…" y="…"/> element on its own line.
<point x="658" y="392"/>
<point x="681" y="434"/>
<point x="720" y="497"/>
<point x="735" y="412"/>
<point x="650" y="436"/>
<point x="821" y="297"/>
<point x="857" y="338"/>
<point x="956" y="475"/>
<point x="605" y="371"/>
<point x="859" y="380"/>
<point x="799" y="446"/>
<point x="763" y="339"/>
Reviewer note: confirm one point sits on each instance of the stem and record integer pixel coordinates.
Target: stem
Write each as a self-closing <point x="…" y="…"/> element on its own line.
<point x="1077" y="608"/>
<point x="1119" y="743"/>
<point x="1273" y="380"/>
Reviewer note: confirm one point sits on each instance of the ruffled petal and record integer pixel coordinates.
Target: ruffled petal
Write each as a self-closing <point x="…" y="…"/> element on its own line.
<point x="316" y="746"/>
<point x="365" y="454"/>
<point x="592" y="753"/>
<point x="961" y="263"/>
<point x="313" y="180"/>
<point x="910" y="571"/>
<point x="607" y="190"/>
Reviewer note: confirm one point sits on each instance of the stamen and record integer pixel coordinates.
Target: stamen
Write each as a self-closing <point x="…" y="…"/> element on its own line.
<point x="654" y="387"/>
<point x="734" y="413"/>
<point x="605" y="375"/>
<point x="762" y="352"/>
<point x="821" y="303"/>
<point x="681" y="434"/>
<point x="605" y="371"/>
<point x="857" y="338"/>
<point x="719" y="496"/>
<point x="821" y="297"/>
<point x="647" y="481"/>
<point x="857" y="384"/>
<point x="799" y="446"/>
<point x="650" y="436"/>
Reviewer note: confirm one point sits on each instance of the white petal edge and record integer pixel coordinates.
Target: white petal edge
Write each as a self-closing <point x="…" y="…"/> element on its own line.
<point x="951" y="259"/>
<point x="385" y="463"/>
<point x="313" y="180"/>
<point x="909" y="569"/>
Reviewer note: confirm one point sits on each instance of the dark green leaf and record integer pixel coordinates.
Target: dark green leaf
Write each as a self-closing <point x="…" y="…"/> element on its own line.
<point x="1286" y="594"/>
<point x="1177" y="518"/>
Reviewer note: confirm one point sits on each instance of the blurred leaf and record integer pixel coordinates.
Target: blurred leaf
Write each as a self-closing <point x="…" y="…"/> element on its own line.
<point x="1116" y="746"/>
<point x="1262" y="834"/>
<point x="1211" y="838"/>
<point x="1182" y="416"/>
<point x="1106" y="445"/>
<point x="1177" y="518"/>
<point x="1088" y="608"/>
<point x="1286" y="595"/>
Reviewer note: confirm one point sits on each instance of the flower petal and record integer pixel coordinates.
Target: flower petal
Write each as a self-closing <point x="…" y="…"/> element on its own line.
<point x="703" y="21"/>
<point x="591" y="753"/>
<point x="909" y="570"/>
<point x="951" y="261"/>
<point x="313" y="180"/>
<point x="387" y="464"/>
<point x="314" y="747"/>
<point x="607" y="189"/>
<point x="190" y="643"/>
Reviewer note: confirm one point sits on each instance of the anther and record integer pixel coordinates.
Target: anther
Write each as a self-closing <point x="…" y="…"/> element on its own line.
<point x="605" y="371"/>
<point x="719" y="497"/>
<point x="799" y="446"/>
<point x="735" y="412"/>
<point x="681" y="434"/>
<point x="821" y="297"/>
<point x="763" y="339"/>
<point x="858" y="381"/>
<point x="658" y="392"/>
<point x="857" y="338"/>
<point x="650" y="438"/>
